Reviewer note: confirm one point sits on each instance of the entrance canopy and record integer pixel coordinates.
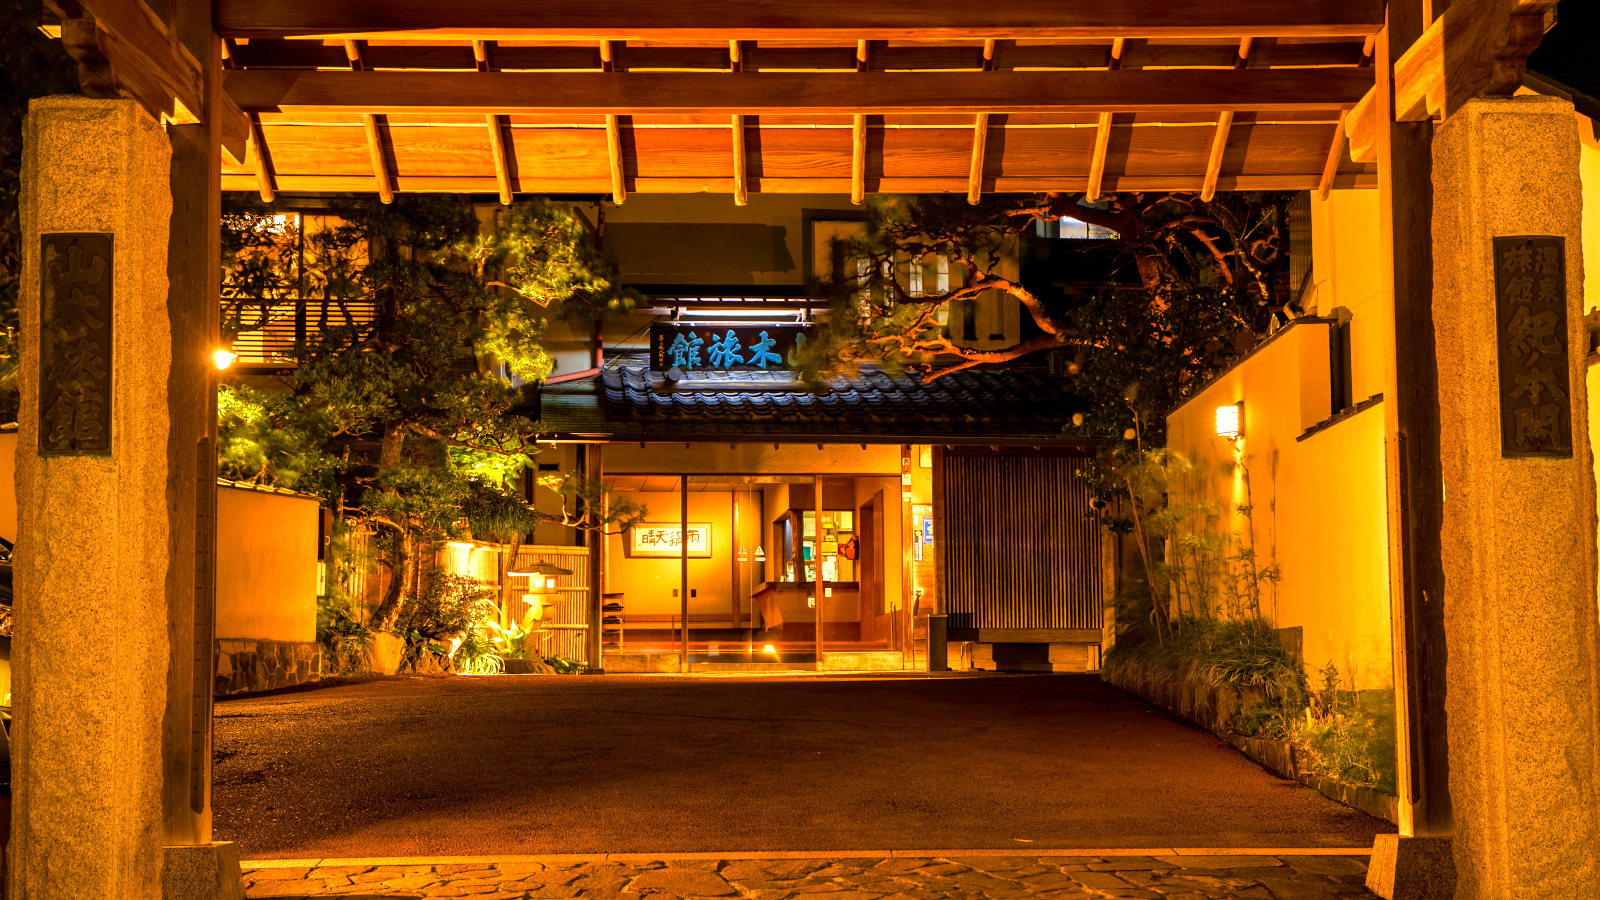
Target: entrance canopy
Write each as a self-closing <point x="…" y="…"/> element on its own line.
<point x="796" y="95"/>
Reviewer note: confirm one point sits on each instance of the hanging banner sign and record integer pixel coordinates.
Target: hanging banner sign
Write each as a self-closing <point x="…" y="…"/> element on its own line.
<point x="724" y="348"/>
<point x="649" y="539"/>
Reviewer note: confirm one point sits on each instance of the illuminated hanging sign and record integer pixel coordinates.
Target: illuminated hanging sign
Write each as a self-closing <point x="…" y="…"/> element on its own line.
<point x="724" y="348"/>
<point x="650" y="539"/>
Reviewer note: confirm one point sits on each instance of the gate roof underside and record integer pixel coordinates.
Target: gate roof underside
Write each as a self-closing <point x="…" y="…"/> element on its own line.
<point x="735" y="96"/>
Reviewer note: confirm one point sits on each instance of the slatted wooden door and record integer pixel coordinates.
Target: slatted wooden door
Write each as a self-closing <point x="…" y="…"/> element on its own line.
<point x="1020" y="549"/>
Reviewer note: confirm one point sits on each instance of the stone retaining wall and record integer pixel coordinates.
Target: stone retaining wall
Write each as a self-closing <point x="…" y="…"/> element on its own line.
<point x="244" y="664"/>
<point x="1214" y="709"/>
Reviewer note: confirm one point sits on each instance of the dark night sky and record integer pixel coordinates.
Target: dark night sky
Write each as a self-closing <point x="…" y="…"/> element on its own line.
<point x="1570" y="52"/>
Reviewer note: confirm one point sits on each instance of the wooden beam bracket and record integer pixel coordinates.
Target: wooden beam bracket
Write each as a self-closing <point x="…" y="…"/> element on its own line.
<point x="1474" y="49"/>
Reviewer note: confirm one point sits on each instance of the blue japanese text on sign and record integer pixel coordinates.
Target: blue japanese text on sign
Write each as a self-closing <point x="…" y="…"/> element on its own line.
<point x="724" y="348"/>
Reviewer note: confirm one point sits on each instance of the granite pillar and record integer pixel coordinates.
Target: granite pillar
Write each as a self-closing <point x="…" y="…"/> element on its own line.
<point x="1518" y="535"/>
<point x="90" y="654"/>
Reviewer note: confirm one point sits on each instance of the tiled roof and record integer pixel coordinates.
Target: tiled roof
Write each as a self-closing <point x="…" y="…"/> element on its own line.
<point x="1000" y="403"/>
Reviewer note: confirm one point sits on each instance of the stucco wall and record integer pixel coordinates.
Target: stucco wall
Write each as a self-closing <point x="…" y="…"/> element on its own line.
<point x="266" y="566"/>
<point x="1346" y="274"/>
<point x="1319" y="503"/>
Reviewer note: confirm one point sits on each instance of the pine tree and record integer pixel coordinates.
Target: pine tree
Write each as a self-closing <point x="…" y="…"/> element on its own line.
<point x="413" y="423"/>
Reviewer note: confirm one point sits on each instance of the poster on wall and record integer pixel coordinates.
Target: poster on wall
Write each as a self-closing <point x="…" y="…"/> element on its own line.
<point x="665" y="539"/>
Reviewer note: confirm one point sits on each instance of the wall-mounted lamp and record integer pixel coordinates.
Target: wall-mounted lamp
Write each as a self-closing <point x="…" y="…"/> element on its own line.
<point x="1230" y="421"/>
<point x="223" y="358"/>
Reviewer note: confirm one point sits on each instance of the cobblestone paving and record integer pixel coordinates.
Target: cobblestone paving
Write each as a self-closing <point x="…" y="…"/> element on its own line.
<point x="900" y="877"/>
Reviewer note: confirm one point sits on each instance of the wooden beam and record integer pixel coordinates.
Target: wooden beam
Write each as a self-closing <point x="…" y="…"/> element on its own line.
<point x="369" y="122"/>
<point x="980" y="137"/>
<point x="1161" y="92"/>
<point x="741" y="166"/>
<point x="1219" y="139"/>
<point x="980" y="141"/>
<point x="1335" y="157"/>
<point x="906" y="184"/>
<point x="266" y="183"/>
<point x="143" y="53"/>
<point x="1102" y="134"/>
<point x="619" y="185"/>
<point x="1476" y="48"/>
<point x="482" y="52"/>
<point x="802" y="20"/>
<point x="858" y="134"/>
<point x="1361" y="128"/>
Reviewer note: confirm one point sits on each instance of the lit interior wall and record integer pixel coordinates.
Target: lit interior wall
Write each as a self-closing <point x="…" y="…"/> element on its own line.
<point x="752" y="459"/>
<point x="1320" y="507"/>
<point x="266" y="566"/>
<point x="8" y="485"/>
<point x="649" y="583"/>
<point x="1346" y="273"/>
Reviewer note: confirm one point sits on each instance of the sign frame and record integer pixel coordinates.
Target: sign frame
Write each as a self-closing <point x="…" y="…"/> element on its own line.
<point x="642" y="542"/>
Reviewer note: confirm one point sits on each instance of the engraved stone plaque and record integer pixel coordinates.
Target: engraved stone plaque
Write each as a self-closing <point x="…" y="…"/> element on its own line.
<point x="1530" y="287"/>
<point x="75" y="344"/>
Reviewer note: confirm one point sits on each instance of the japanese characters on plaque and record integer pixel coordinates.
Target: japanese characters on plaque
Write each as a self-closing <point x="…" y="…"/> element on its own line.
<point x="1531" y="314"/>
<point x="724" y="348"/>
<point x="75" y="344"/>
<point x="667" y="539"/>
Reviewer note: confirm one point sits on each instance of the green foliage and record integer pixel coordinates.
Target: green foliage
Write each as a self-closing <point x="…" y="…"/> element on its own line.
<point x="1348" y="735"/>
<point x="344" y="640"/>
<point x="477" y="656"/>
<point x="437" y="621"/>
<point x="564" y="666"/>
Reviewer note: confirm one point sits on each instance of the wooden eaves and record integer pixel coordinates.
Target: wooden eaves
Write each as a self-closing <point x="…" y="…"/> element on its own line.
<point x="751" y="96"/>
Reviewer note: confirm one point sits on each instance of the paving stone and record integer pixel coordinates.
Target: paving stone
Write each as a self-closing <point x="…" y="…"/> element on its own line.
<point x="899" y="866"/>
<point x="984" y="882"/>
<point x="1100" y="881"/>
<point x="942" y="869"/>
<point x="1297" y="890"/>
<point x="604" y="884"/>
<point x="552" y="876"/>
<point x="995" y="863"/>
<point x="550" y="891"/>
<point x="1070" y="860"/>
<point x="703" y="865"/>
<point x="278" y="874"/>
<point x="778" y="869"/>
<point x="520" y="868"/>
<point x="1130" y="864"/>
<point x="282" y="889"/>
<point x="329" y="871"/>
<point x="819" y="887"/>
<point x="440" y="890"/>
<point x="1219" y="862"/>
<point x="1053" y="879"/>
<point x="1034" y="869"/>
<point x="333" y="881"/>
<point x="410" y="882"/>
<point x="1327" y="865"/>
<point x="864" y="878"/>
<point x="684" y="881"/>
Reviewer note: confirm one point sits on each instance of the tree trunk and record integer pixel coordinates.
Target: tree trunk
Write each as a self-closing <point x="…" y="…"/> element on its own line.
<point x="398" y="561"/>
<point x="394" y="437"/>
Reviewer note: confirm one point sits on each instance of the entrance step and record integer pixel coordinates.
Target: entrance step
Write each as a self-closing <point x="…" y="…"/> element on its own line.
<point x="752" y="667"/>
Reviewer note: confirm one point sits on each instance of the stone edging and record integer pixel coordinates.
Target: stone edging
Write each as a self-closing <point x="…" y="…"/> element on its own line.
<point x="565" y="858"/>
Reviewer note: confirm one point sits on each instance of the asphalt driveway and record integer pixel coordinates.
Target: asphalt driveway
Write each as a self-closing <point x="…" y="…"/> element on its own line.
<point x="587" y="764"/>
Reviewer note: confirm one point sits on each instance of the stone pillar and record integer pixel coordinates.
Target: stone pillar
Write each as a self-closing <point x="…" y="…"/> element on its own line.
<point x="1519" y="531"/>
<point x="90" y="654"/>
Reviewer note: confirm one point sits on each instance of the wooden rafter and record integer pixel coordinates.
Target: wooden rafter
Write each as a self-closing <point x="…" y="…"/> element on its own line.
<point x="980" y="137"/>
<point x="741" y="165"/>
<point x="1330" y="169"/>
<point x="1102" y="134"/>
<point x="266" y="182"/>
<point x="1476" y="47"/>
<point x="801" y="20"/>
<point x="1164" y="92"/>
<point x="858" y="134"/>
<point x="1219" y="139"/>
<point x="136" y="55"/>
<point x="370" y="123"/>
<point x="619" y="185"/>
<point x="483" y="51"/>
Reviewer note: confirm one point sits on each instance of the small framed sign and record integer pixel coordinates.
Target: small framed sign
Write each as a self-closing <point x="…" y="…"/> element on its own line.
<point x="665" y="540"/>
<point x="75" y="344"/>
<point x="1531" y="305"/>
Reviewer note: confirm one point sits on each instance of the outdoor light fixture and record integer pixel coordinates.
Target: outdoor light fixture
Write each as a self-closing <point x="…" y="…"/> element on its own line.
<point x="223" y="358"/>
<point x="541" y="585"/>
<point x="1230" y="420"/>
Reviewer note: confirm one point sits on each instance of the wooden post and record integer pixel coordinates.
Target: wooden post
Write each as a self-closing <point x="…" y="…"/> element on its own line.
<point x="594" y="470"/>
<point x="1405" y="187"/>
<point x="683" y="574"/>
<point x="194" y="257"/>
<point x="817" y="583"/>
